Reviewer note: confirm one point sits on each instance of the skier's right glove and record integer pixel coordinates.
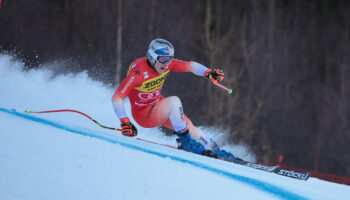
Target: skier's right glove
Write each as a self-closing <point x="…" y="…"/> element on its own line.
<point x="128" y="129"/>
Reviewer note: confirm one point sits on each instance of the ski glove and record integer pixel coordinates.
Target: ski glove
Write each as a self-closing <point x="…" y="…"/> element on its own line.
<point x="128" y="129"/>
<point x="215" y="75"/>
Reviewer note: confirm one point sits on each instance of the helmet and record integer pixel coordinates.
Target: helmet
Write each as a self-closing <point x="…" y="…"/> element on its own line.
<point x="160" y="50"/>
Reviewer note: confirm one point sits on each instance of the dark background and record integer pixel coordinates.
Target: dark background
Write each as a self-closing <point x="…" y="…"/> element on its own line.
<point x="286" y="60"/>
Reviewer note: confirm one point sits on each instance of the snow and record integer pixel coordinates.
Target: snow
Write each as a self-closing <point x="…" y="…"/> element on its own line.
<point x="67" y="156"/>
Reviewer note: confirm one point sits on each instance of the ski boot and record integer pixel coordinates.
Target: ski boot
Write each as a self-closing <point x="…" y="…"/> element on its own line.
<point x="222" y="154"/>
<point x="189" y="144"/>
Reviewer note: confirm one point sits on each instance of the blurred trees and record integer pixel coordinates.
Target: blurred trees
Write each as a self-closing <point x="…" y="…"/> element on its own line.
<point x="287" y="62"/>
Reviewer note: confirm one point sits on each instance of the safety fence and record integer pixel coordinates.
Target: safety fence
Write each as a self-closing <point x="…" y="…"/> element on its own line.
<point x="323" y="176"/>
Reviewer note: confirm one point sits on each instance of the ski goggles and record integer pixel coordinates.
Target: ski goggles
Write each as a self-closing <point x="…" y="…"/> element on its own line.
<point x="164" y="59"/>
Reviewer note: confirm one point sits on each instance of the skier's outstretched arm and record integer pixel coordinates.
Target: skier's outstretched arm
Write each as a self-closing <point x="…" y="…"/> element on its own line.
<point x="197" y="68"/>
<point x="215" y="75"/>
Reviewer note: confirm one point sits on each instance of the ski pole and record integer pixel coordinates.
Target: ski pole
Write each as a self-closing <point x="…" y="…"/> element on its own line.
<point x="223" y="87"/>
<point x="75" y="111"/>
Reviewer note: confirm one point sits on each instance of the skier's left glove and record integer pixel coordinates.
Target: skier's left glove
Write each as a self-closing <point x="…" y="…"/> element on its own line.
<point x="215" y="75"/>
<point x="128" y="129"/>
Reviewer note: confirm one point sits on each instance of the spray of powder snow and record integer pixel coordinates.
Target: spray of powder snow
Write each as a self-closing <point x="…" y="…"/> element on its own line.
<point x="39" y="90"/>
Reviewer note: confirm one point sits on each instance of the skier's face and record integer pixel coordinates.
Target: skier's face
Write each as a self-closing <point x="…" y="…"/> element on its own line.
<point x="160" y="68"/>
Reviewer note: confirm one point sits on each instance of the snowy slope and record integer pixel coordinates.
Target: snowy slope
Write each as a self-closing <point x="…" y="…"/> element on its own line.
<point x="66" y="156"/>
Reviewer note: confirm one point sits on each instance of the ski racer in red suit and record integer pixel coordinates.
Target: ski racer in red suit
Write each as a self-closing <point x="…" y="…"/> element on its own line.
<point x="143" y="85"/>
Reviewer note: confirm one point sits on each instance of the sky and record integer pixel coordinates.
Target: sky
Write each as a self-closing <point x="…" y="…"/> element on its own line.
<point x="67" y="156"/>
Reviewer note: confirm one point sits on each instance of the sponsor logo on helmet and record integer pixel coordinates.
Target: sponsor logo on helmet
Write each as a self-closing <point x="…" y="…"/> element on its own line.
<point x="163" y="51"/>
<point x="167" y="49"/>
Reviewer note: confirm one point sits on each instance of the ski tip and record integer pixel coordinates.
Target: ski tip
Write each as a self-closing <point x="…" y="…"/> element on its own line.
<point x="230" y="91"/>
<point x="28" y="111"/>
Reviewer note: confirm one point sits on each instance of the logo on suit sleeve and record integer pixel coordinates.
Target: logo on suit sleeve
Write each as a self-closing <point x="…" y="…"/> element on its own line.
<point x="127" y="84"/>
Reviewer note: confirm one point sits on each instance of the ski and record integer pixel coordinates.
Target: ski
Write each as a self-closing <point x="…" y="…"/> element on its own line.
<point x="293" y="173"/>
<point x="300" y="175"/>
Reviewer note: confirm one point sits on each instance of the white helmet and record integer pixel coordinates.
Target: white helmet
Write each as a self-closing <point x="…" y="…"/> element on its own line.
<point x="160" y="50"/>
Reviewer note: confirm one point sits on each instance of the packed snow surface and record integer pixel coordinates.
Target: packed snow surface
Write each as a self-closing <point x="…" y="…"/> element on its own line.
<point x="67" y="156"/>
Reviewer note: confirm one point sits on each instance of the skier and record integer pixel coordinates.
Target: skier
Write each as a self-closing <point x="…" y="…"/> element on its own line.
<point x="143" y="85"/>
